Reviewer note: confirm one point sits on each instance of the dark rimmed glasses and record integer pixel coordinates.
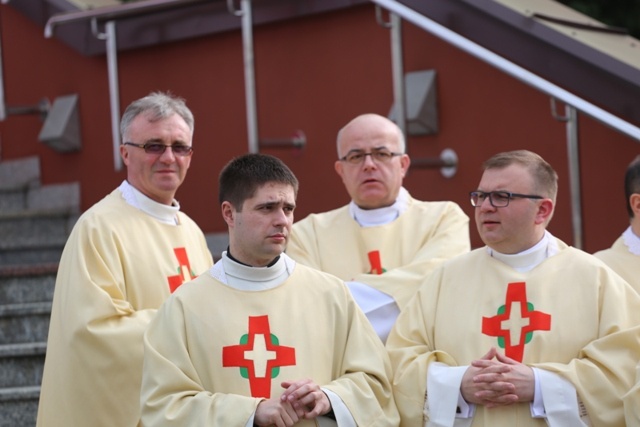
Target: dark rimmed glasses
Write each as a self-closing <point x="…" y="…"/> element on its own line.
<point x="380" y="156"/>
<point x="157" y="148"/>
<point x="498" y="199"/>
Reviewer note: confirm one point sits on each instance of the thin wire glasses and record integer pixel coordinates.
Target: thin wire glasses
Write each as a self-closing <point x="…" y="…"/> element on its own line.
<point x="158" y="149"/>
<point x="498" y="199"/>
<point x="379" y="156"/>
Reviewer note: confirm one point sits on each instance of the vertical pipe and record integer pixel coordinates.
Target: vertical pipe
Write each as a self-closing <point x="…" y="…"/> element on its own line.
<point x="114" y="98"/>
<point x="3" y="107"/>
<point x="398" y="72"/>
<point x="249" y="77"/>
<point x="574" y="174"/>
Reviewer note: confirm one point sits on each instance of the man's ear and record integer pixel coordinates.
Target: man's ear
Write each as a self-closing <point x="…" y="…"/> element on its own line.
<point x="634" y="202"/>
<point x="338" y="167"/>
<point x="405" y="162"/>
<point x="228" y="213"/>
<point x="124" y="153"/>
<point x="545" y="211"/>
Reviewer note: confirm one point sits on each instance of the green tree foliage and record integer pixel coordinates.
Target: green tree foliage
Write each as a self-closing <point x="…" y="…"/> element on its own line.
<point x="616" y="13"/>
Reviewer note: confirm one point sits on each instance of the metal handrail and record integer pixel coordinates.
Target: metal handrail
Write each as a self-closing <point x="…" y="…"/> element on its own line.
<point x="3" y="108"/>
<point x="510" y="68"/>
<point x="112" y="13"/>
<point x="109" y="15"/>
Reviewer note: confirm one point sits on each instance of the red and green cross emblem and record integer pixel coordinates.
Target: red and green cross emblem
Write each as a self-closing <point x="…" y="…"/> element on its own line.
<point x="259" y="356"/>
<point x="375" y="262"/>
<point x="515" y="322"/>
<point x="184" y="270"/>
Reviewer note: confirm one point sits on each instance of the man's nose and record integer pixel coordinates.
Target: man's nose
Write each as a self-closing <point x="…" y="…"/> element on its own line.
<point x="369" y="162"/>
<point x="486" y="204"/>
<point x="168" y="155"/>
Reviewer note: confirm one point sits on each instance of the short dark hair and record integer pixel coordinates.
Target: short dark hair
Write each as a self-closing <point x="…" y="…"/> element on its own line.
<point x="544" y="176"/>
<point x="159" y="105"/>
<point x="632" y="182"/>
<point x="242" y="176"/>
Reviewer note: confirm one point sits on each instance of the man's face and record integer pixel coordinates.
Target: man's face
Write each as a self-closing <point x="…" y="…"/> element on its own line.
<point x="516" y="227"/>
<point x="260" y="232"/>
<point x="157" y="176"/>
<point x="372" y="183"/>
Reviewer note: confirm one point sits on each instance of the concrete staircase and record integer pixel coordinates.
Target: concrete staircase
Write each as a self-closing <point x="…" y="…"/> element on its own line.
<point x="35" y="222"/>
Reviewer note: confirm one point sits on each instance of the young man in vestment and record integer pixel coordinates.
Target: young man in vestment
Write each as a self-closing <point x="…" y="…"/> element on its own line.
<point x="124" y="256"/>
<point x="260" y="340"/>
<point x="624" y="256"/>
<point x="525" y="331"/>
<point x="388" y="240"/>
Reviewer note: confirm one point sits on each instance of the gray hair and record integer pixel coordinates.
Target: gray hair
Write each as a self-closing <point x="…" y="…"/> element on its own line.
<point x="159" y="106"/>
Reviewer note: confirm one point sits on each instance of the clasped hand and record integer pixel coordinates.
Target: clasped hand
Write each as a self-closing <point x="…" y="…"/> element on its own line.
<point x="301" y="399"/>
<point x="497" y="380"/>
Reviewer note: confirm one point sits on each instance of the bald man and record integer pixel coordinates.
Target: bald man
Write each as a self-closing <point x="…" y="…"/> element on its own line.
<point x="384" y="241"/>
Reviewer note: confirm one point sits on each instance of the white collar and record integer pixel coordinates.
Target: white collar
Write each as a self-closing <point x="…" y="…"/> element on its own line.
<point x="246" y="278"/>
<point x="380" y="216"/>
<point x="161" y="212"/>
<point x="529" y="259"/>
<point x="631" y="240"/>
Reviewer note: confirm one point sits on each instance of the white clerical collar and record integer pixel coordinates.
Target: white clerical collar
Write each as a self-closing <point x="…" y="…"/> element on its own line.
<point x="631" y="240"/>
<point x="246" y="278"/>
<point x="380" y="216"/>
<point x="532" y="257"/>
<point x="161" y="212"/>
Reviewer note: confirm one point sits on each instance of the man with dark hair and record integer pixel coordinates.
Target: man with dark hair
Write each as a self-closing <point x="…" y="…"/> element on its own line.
<point x="124" y="257"/>
<point x="624" y="256"/>
<point x="525" y="331"/>
<point x="259" y="339"/>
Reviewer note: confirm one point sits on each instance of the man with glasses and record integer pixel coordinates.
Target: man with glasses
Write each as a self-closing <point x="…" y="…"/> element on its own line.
<point x="124" y="256"/>
<point x="384" y="241"/>
<point x="525" y="331"/>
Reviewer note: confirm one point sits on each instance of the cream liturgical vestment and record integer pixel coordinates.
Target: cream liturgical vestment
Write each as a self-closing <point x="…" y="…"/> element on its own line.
<point x="570" y="318"/>
<point x="624" y="258"/>
<point x="215" y="351"/>
<point x="117" y="268"/>
<point x="393" y="257"/>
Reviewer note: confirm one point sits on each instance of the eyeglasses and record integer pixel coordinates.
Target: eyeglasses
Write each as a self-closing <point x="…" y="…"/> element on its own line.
<point x="156" y="148"/>
<point x="498" y="199"/>
<point x="380" y="156"/>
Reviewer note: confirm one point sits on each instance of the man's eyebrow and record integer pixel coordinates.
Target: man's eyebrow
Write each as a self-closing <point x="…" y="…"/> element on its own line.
<point x="160" y="141"/>
<point x="275" y="203"/>
<point x="362" y="150"/>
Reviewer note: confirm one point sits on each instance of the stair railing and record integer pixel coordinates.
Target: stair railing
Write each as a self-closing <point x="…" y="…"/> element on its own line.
<point x="573" y="102"/>
<point x="109" y="15"/>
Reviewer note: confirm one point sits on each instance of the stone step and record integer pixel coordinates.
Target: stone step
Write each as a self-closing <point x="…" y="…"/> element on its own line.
<point x="28" y="239"/>
<point x="30" y="231"/>
<point x="19" y="406"/>
<point x="54" y="198"/>
<point x="27" y="283"/>
<point x="20" y="173"/>
<point x="21" y="365"/>
<point x="22" y="323"/>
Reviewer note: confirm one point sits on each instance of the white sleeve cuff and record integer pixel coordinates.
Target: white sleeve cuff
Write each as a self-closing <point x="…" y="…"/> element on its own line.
<point x="340" y="410"/>
<point x="443" y="395"/>
<point x="537" y="406"/>
<point x="560" y="400"/>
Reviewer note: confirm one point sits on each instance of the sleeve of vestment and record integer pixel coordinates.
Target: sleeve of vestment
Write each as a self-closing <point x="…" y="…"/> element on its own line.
<point x="172" y="393"/>
<point x="600" y="373"/>
<point x="411" y="352"/>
